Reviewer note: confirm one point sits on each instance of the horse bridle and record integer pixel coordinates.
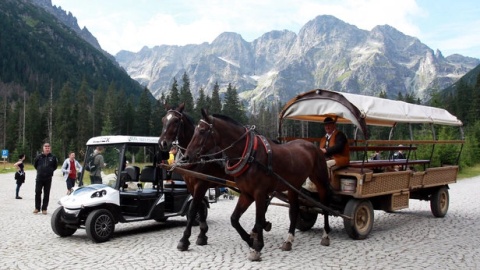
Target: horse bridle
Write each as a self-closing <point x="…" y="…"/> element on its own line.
<point x="239" y="167"/>
<point x="178" y="127"/>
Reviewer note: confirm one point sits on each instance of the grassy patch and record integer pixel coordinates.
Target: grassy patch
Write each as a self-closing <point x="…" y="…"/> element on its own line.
<point x="8" y="167"/>
<point x="469" y="172"/>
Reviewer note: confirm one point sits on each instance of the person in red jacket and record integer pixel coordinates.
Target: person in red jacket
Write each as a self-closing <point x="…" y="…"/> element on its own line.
<point x="334" y="145"/>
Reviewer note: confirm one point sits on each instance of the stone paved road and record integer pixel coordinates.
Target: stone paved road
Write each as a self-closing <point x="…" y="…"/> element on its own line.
<point x="407" y="239"/>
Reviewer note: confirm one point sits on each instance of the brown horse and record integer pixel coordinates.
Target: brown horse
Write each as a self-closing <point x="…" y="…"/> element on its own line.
<point x="178" y="126"/>
<point x="260" y="168"/>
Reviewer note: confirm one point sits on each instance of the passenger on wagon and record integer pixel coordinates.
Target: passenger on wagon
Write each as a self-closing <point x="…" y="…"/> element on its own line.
<point x="334" y="145"/>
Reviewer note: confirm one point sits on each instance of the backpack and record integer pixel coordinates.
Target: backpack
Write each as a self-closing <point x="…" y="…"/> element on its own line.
<point x="90" y="164"/>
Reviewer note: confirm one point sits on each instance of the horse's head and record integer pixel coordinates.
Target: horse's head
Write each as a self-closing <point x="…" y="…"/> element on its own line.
<point x="172" y="124"/>
<point x="203" y="138"/>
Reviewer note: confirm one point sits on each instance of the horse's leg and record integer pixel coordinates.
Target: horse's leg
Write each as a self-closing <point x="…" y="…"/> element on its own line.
<point x="323" y="193"/>
<point x="293" y="214"/>
<point x="195" y="206"/>
<point x="201" y="188"/>
<point x="202" y="236"/>
<point x="326" y="230"/>
<point x="184" y="243"/>
<point x="257" y="231"/>
<point x="244" y="201"/>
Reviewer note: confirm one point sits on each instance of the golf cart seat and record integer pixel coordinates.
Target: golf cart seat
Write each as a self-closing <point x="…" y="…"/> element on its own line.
<point x="148" y="176"/>
<point x="130" y="175"/>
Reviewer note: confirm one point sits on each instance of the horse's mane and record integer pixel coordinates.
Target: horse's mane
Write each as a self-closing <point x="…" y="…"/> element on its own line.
<point x="189" y="119"/>
<point x="228" y="119"/>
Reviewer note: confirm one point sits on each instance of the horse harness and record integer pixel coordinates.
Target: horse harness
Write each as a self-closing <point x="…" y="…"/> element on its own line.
<point x="249" y="153"/>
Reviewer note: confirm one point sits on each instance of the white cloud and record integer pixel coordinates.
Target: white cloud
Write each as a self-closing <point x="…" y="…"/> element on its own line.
<point x="125" y="25"/>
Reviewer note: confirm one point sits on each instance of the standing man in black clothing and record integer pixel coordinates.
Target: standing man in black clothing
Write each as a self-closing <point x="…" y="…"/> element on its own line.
<point x="45" y="164"/>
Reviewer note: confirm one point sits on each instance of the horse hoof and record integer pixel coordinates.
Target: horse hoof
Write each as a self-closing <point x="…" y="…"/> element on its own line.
<point x="202" y="241"/>
<point x="325" y="241"/>
<point x="183" y="246"/>
<point x="254" y="256"/>
<point x="268" y="226"/>
<point x="287" y="246"/>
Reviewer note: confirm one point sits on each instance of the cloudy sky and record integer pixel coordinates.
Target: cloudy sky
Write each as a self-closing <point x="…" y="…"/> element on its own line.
<point x="450" y="26"/>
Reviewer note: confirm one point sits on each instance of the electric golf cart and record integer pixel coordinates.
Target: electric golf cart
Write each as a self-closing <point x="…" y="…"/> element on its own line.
<point x="132" y="188"/>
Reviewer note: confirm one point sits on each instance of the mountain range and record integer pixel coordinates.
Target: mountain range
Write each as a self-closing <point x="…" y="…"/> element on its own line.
<point x="326" y="53"/>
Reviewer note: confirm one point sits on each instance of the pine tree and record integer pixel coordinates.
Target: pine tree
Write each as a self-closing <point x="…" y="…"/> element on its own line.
<point x="35" y="126"/>
<point x="173" y="98"/>
<point x="186" y="94"/>
<point x="200" y="104"/>
<point x="158" y="112"/>
<point x="143" y="114"/>
<point x="232" y="106"/>
<point x="64" y="120"/>
<point x="215" y="102"/>
<point x="97" y="111"/>
<point x="84" y="120"/>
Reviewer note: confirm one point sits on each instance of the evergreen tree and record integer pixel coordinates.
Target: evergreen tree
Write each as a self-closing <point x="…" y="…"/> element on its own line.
<point x="35" y="125"/>
<point x="64" y="120"/>
<point x="143" y="114"/>
<point x="215" y="102"/>
<point x="186" y="94"/>
<point x="97" y="111"/>
<point x="201" y="103"/>
<point x="173" y="98"/>
<point x="111" y="109"/>
<point x="158" y="112"/>
<point x="84" y="120"/>
<point x="463" y="102"/>
<point x="232" y="106"/>
<point x="14" y="119"/>
<point x="128" y="121"/>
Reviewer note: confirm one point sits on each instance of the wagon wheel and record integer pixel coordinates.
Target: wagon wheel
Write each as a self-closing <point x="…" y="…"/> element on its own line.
<point x="361" y="223"/>
<point x="305" y="220"/>
<point x="439" y="202"/>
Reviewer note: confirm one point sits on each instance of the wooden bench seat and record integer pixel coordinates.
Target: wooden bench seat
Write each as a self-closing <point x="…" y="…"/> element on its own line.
<point x="387" y="163"/>
<point x="358" y="148"/>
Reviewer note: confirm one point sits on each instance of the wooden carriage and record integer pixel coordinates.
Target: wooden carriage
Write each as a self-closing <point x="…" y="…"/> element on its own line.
<point x="366" y="185"/>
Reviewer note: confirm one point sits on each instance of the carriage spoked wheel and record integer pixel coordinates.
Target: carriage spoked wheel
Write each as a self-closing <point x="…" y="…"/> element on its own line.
<point x="361" y="223"/>
<point x="439" y="202"/>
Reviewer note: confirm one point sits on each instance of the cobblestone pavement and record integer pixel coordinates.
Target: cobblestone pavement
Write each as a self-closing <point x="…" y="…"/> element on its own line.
<point x="408" y="239"/>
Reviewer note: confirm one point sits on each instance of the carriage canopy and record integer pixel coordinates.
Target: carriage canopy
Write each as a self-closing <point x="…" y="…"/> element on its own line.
<point x="361" y="111"/>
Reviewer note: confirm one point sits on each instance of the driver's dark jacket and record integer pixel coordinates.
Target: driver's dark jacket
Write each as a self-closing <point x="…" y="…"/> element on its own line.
<point x="45" y="166"/>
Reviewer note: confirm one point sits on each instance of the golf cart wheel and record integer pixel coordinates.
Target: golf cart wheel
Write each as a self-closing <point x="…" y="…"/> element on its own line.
<point x="439" y="202"/>
<point x="196" y="222"/>
<point x="100" y="225"/>
<point x="58" y="226"/>
<point x="162" y="219"/>
<point x="361" y="223"/>
<point x="305" y="220"/>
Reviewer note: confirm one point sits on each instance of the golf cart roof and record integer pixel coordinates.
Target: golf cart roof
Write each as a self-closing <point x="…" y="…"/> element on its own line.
<point x="361" y="111"/>
<point x="116" y="139"/>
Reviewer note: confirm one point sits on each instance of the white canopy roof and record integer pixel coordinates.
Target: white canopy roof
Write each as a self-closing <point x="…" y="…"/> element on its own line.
<point x="361" y="110"/>
<point x="115" y="139"/>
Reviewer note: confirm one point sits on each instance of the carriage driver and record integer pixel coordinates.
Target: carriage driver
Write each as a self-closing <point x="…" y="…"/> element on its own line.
<point x="334" y="145"/>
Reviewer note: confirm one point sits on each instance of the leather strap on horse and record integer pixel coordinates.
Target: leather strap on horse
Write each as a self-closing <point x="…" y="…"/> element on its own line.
<point x="268" y="150"/>
<point x="248" y="153"/>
